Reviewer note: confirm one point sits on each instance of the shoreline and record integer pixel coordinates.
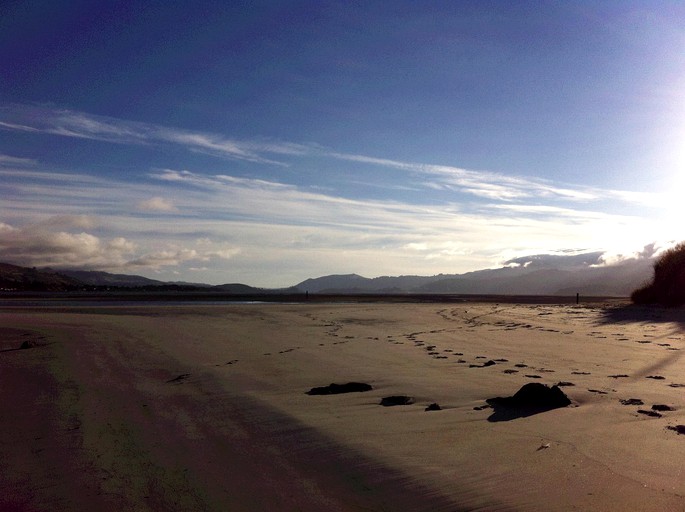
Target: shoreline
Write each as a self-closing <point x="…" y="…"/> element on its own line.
<point x="8" y="299"/>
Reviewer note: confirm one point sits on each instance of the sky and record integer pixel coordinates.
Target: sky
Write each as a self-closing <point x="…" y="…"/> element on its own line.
<point x="269" y="142"/>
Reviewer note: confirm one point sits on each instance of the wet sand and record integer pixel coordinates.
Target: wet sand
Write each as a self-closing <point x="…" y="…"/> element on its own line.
<point x="205" y="408"/>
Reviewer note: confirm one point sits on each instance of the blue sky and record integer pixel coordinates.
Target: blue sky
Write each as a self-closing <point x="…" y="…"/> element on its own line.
<point x="269" y="142"/>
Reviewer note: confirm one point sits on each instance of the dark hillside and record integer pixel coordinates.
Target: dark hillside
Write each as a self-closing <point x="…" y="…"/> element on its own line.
<point x="13" y="277"/>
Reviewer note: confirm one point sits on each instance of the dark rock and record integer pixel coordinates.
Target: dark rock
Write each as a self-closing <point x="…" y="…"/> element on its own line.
<point x="662" y="408"/>
<point x="620" y="376"/>
<point x="336" y="389"/>
<point x="653" y="414"/>
<point x="27" y="344"/>
<point x="433" y="407"/>
<point x="390" y="401"/>
<point x="678" y="428"/>
<point x="532" y="398"/>
<point x="632" y="401"/>
<point x="655" y="377"/>
<point x="564" y="383"/>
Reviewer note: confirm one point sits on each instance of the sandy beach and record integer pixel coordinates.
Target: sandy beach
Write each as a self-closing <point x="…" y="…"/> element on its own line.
<point x="205" y="407"/>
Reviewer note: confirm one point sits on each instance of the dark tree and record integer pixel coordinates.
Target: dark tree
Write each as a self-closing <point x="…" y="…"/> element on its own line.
<point x="668" y="285"/>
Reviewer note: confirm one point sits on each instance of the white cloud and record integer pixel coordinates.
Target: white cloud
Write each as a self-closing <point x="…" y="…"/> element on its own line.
<point x="63" y="242"/>
<point x="157" y="204"/>
<point x="225" y="254"/>
<point x="51" y="244"/>
<point x="163" y="258"/>
<point x="270" y="225"/>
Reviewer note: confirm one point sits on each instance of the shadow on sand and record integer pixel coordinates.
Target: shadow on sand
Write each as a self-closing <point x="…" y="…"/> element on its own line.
<point x="632" y="313"/>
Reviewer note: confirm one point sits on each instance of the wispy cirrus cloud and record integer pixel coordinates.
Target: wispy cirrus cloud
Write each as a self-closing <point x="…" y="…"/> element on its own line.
<point x="477" y="184"/>
<point x="7" y="160"/>
<point x="496" y="186"/>
<point x="173" y="219"/>
<point x="68" y="123"/>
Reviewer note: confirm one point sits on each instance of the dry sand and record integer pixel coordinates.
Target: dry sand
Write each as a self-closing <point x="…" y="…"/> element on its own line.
<point x="205" y="408"/>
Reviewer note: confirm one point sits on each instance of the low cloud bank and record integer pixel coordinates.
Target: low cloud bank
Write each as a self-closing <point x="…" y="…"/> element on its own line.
<point x="66" y="242"/>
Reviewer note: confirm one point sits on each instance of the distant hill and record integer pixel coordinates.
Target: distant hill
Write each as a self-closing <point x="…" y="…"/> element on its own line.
<point x="353" y="283"/>
<point x="238" y="289"/>
<point x="533" y="275"/>
<point x="611" y="280"/>
<point x="16" y="278"/>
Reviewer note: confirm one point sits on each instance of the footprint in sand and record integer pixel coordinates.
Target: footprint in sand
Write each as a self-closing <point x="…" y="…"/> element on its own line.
<point x="484" y="365"/>
<point x="232" y="361"/>
<point x="180" y="378"/>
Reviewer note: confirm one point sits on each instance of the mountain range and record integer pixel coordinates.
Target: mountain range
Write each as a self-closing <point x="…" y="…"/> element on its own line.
<point x="534" y="275"/>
